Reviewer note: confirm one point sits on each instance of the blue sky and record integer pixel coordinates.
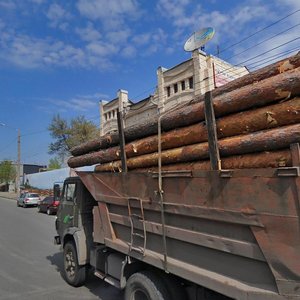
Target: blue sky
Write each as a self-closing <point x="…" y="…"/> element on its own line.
<point x="64" y="56"/>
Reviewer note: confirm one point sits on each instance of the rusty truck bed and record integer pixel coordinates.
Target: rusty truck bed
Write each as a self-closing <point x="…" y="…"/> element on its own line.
<point x="235" y="232"/>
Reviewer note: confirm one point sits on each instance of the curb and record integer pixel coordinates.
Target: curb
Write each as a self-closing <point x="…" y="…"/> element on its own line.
<point x="8" y="198"/>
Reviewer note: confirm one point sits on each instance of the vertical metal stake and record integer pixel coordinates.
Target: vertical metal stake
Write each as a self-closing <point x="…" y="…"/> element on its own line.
<point x="122" y="142"/>
<point x="295" y="152"/>
<point x="161" y="197"/>
<point x="212" y="132"/>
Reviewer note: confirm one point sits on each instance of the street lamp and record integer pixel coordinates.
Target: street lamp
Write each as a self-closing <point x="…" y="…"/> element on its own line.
<point x="18" y="160"/>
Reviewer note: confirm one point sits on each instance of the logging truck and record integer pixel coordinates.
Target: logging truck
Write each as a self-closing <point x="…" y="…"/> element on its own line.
<point x="190" y="217"/>
<point x="185" y="235"/>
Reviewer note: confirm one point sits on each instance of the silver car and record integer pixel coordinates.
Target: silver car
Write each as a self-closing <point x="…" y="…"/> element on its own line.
<point x="28" y="199"/>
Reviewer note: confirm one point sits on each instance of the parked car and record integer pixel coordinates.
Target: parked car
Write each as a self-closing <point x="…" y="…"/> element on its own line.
<point x="28" y="199"/>
<point x="48" y="205"/>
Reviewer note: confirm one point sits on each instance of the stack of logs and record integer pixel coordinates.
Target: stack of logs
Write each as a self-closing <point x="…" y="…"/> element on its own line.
<point x="257" y="119"/>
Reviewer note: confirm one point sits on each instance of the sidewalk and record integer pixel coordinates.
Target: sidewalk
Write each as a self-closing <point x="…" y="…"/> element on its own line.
<point x="12" y="196"/>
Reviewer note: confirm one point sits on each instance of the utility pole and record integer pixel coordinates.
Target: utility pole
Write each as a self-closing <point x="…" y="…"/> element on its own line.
<point x="18" y="164"/>
<point x="18" y="173"/>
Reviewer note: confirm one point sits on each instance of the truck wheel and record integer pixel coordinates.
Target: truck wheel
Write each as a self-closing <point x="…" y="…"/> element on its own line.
<point x="48" y="212"/>
<point x="145" y="286"/>
<point x="74" y="274"/>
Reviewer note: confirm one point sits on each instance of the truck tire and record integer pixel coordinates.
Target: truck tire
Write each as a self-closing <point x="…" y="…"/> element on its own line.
<point x="49" y="212"/>
<point x="74" y="274"/>
<point x="145" y="286"/>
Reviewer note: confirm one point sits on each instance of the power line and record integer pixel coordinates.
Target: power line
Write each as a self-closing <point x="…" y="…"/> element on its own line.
<point x="5" y="147"/>
<point x="144" y="92"/>
<point x="35" y="132"/>
<point x="258" y="31"/>
<point x="272" y="57"/>
<point x="261" y="54"/>
<point x="268" y="39"/>
<point x="281" y="45"/>
<point x="241" y="72"/>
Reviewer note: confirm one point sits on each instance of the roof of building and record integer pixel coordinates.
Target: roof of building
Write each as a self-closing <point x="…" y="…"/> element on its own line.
<point x="111" y="103"/>
<point x="115" y="102"/>
<point x="176" y="66"/>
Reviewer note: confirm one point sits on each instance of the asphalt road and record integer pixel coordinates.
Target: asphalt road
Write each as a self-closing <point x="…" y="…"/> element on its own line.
<point x="30" y="263"/>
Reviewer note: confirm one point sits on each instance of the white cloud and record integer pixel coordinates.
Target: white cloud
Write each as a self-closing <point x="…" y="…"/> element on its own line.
<point x="74" y="104"/>
<point x="112" y="13"/>
<point x="160" y="36"/>
<point x="28" y="52"/>
<point x="233" y="25"/>
<point x="119" y="36"/>
<point x="2" y="24"/>
<point x="7" y="4"/>
<point x="95" y="96"/>
<point x="174" y="9"/>
<point x="98" y="9"/>
<point x="38" y="1"/>
<point x="89" y="33"/>
<point x="156" y="41"/>
<point x="141" y="39"/>
<point x="57" y="16"/>
<point x="129" y="52"/>
<point x="294" y="4"/>
<point x="101" y="48"/>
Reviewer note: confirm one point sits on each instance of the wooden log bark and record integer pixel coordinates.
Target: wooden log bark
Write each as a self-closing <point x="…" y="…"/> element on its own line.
<point x="267" y="159"/>
<point x="280" y="114"/>
<point x="262" y="93"/>
<point x="266" y="140"/>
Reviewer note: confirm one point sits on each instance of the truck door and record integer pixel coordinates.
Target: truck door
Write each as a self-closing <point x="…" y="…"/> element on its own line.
<point x="68" y="215"/>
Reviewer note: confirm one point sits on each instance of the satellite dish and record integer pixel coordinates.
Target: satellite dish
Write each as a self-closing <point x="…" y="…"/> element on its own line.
<point x="199" y="38"/>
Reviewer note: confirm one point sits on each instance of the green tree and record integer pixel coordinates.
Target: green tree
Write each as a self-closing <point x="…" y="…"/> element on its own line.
<point x="7" y="171"/>
<point x="68" y="135"/>
<point x="54" y="163"/>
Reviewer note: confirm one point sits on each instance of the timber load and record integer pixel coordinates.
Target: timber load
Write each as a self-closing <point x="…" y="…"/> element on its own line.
<point x="257" y="119"/>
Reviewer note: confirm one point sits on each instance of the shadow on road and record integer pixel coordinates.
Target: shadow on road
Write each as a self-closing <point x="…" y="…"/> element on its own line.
<point x="96" y="286"/>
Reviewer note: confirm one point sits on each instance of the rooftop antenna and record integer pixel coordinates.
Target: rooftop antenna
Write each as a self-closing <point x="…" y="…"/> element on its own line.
<point x="198" y="39"/>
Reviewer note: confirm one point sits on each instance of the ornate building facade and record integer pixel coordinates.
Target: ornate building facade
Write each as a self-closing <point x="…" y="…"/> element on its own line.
<point x="180" y="84"/>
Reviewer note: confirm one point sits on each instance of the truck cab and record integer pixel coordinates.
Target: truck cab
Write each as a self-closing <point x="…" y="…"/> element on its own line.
<point x="74" y="225"/>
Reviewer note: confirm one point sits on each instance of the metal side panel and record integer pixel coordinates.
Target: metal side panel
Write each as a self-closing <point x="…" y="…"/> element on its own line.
<point x="238" y="235"/>
<point x="211" y="280"/>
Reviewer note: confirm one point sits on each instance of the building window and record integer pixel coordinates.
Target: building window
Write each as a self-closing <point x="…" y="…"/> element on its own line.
<point x="168" y="91"/>
<point x="191" y="82"/>
<point x="182" y="85"/>
<point x="109" y="115"/>
<point x="175" y="88"/>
